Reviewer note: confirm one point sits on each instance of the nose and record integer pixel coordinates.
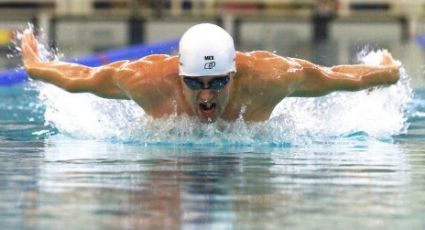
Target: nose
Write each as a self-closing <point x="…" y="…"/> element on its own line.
<point x="206" y="95"/>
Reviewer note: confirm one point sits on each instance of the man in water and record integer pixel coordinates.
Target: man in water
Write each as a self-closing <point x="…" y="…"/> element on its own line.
<point x="208" y="79"/>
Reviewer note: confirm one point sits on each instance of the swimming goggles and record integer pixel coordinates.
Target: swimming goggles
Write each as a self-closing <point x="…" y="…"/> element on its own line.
<point x="215" y="83"/>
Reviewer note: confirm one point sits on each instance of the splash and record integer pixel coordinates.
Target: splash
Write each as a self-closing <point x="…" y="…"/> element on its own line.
<point x="378" y="113"/>
<point x="46" y="53"/>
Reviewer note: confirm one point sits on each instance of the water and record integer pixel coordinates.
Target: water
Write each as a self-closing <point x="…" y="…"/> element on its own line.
<point x="295" y="121"/>
<point x="345" y="161"/>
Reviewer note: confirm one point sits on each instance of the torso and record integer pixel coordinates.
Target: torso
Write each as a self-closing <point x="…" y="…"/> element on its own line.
<point x="258" y="86"/>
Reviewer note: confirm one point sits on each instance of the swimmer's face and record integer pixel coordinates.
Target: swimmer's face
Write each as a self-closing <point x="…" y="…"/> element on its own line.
<point x="208" y="96"/>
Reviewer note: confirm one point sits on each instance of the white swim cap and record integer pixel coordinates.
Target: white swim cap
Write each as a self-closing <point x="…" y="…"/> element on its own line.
<point x="206" y="50"/>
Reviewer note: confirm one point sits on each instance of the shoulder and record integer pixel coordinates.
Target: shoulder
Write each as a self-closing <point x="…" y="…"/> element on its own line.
<point x="148" y="76"/>
<point x="263" y="73"/>
<point x="267" y="73"/>
<point x="149" y="70"/>
<point x="265" y="59"/>
<point x="152" y="60"/>
<point x="265" y="63"/>
<point x="158" y="65"/>
<point x="258" y="55"/>
<point x="157" y="58"/>
<point x="250" y="57"/>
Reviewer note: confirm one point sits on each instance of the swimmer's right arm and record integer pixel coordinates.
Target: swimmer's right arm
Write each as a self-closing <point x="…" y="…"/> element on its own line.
<point x="71" y="77"/>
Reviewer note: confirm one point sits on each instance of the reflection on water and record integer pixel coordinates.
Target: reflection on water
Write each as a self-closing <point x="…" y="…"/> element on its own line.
<point x="78" y="183"/>
<point x="53" y="181"/>
<point x="352" y="182"/>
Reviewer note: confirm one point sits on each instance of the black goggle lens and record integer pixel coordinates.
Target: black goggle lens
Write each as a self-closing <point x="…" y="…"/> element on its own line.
<point x="215" y="83"/>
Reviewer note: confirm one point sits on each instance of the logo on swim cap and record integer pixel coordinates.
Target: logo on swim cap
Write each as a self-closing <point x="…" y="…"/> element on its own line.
<point x="209" y="58"/>
<point x="206" y="50"/>
<point x="209" y="65"/>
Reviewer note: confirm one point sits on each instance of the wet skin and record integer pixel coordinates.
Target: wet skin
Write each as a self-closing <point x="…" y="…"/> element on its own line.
<point x="208" y="104"/>
<point x="262" y="80"/>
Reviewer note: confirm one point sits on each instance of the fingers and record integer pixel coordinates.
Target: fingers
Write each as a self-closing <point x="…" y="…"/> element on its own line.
<point x="29" y="48"/>
<point x="29" y="39"/>
<point x="387" y="59"/>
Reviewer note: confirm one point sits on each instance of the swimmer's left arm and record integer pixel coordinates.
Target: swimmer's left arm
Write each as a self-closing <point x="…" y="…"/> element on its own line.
<point x="319" y="80"/>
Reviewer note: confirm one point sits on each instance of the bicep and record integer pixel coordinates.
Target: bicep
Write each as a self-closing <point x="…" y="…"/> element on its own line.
<point x="79" y="78"/>
<point x="99" y="81"/>
<point x="319" y="81"/>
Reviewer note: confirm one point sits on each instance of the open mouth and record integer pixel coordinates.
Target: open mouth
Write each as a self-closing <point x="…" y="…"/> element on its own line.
<point x="207" y="106"/>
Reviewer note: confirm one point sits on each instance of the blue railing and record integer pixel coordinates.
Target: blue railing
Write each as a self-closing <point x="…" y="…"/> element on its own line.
<point x="420" y="39"/>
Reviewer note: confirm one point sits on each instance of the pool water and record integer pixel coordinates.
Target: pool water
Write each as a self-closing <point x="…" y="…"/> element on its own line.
<point x="352" y="161"/>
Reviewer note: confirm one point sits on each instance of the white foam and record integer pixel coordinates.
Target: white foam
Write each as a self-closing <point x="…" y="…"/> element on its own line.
<point x="380" y="113"/>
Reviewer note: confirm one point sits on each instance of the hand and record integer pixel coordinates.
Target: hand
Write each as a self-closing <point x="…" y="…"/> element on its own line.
<point x="29" y="46"/>
<point x="392" y="66"/>
<point x="387" y="60"/>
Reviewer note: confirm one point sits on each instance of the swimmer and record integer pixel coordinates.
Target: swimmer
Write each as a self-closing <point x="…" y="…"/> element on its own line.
<point x="208" y="79"/>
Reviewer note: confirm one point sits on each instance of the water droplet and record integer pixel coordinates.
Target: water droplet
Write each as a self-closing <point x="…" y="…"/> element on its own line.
<point x="294" y="120"/>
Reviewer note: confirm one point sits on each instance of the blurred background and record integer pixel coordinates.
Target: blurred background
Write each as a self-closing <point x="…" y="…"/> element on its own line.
<point x="327" y="32"/>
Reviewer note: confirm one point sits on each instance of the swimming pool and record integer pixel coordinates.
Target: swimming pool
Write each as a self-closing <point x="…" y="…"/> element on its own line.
<point x="347" y="161"/>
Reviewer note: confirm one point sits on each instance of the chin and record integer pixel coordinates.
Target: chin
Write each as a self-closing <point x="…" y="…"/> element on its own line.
<point x="207" y="119"/>
<point x="210" y="121"/>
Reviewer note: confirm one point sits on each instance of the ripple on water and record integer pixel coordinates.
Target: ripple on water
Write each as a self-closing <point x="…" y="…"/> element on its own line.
<point x="379" y="113"/>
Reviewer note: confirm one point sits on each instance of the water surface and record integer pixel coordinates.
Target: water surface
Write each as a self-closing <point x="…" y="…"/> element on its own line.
<point x="346" y="161"/>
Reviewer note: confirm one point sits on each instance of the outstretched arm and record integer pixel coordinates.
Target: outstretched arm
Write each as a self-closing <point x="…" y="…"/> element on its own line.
<point x="69" y="76"/>
<point x="318" y="80"/>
